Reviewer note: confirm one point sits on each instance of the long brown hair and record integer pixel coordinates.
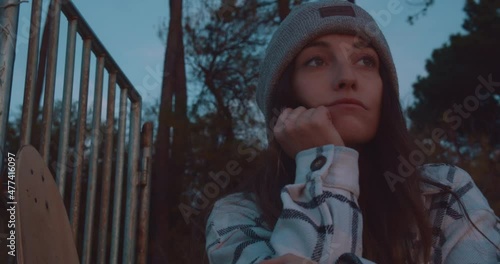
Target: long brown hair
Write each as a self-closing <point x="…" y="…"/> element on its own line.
<point x="388" y="216"/>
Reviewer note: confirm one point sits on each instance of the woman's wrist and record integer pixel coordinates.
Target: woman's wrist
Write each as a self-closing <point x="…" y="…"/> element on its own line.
<point x="343" y="173"/>
<point x="336" y="165"/>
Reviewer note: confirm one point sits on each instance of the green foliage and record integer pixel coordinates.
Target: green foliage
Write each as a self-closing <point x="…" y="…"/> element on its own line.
<point x="446" y="98"/>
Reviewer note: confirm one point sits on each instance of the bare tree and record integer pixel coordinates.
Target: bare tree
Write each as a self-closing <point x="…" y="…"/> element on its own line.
<point x="168" y="163"/>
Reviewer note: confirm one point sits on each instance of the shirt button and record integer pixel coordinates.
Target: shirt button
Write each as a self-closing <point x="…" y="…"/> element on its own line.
<point x="318" y="163"/>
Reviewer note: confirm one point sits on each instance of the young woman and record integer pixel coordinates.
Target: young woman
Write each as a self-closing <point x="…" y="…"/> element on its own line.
<point x="335" y="187"/>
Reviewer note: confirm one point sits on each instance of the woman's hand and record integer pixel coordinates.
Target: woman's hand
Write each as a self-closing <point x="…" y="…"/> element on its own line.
<point x="289" y="259"/>
<point x="300" y="128"/>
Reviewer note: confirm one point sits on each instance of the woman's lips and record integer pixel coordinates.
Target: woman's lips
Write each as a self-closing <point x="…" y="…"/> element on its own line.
<point x="348" y="102"/>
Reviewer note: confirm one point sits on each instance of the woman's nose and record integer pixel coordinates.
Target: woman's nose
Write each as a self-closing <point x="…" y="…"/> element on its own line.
<point x="344" y="77"/>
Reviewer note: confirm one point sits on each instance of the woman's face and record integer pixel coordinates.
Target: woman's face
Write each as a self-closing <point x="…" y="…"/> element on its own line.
<point x="336" y="67"/>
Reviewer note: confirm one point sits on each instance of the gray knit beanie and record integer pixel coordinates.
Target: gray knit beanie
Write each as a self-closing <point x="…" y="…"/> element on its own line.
<point x="307" y="22"/>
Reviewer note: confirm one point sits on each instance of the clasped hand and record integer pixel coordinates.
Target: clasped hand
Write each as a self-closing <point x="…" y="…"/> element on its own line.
<point x="300" y="128"/>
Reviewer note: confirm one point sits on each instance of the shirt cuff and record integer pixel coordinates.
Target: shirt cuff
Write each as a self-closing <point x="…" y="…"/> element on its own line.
<point x="336" y="165"/>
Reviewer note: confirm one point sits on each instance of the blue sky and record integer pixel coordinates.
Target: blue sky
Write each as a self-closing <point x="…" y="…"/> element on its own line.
<point x="129" y="28"/>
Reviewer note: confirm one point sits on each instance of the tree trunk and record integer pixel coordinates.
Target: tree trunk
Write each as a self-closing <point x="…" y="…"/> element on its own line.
<point x="164" y="182"/>
<point x="180" y="137"/>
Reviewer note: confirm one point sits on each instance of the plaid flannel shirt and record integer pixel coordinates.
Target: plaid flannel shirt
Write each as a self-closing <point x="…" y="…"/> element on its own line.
<point x="321" y="219"/>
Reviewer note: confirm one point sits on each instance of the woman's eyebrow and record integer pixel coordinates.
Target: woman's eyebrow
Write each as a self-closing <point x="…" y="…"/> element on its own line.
<point x="317" y="43"/>
<point x="359" y="44"/>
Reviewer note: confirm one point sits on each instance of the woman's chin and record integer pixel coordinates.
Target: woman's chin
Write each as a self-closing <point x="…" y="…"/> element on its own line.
<point x="354" y="130"/>
<point x="355" y="135"/>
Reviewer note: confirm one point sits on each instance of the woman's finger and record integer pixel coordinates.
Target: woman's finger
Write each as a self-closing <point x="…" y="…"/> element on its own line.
<point x="292" y="117"/>
<point x="305" y="116"/>
<point x="280" y="123"/>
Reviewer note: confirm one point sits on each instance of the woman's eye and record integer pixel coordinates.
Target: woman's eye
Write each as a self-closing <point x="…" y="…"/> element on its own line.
<point x="368" y="61"/>
<point x="316" y="59"/>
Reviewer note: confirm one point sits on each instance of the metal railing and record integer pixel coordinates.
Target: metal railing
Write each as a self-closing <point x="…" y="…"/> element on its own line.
<point x="137" y="168"/>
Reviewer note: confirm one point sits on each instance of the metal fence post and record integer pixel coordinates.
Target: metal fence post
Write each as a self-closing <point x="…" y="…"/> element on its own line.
<point x="31" y="71"/>
<point x="106" y="171"/>
<point x="119" y="175"/>
<point x="50" y="82"/>
<point x="66" y="111"/>
<point x="130" y="232"/>
<point x="80" y="139"/>
<point x="94" y="155"/>
<point x="9" y="17"/>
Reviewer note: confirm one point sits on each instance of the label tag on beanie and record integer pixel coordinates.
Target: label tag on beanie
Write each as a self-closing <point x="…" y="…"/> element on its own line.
<point x="336" y="11"/>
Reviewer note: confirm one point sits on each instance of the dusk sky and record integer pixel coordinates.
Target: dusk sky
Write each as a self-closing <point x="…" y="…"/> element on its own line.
<point x="128" y="29"/>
